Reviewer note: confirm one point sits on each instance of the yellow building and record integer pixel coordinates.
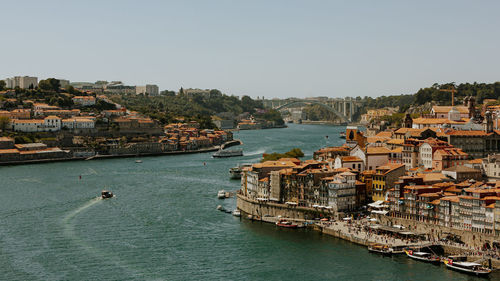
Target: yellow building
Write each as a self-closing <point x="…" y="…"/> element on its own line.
<point x="384" y="179"/>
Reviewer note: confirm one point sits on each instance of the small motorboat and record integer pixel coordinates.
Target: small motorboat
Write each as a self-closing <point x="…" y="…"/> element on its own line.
<point x="219" y="207"/>
<point x="380" y="249"/>
<point x="423" y="256"/>
<point x="138" y="161"/>
<point x="286" y="224"/>
<point x="467" y="267"/>
<point x="221" y="194"/>
<point x="105" y="194"/>
<point x="237" y="213"/>
<point x="342" y="135"/>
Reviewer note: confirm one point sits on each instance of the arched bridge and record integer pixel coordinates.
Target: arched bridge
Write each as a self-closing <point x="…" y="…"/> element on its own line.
<point x="342" y="108"/>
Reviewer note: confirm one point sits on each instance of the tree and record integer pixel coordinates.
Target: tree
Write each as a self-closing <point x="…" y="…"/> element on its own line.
<point x="4" y="122"/>
<point x="2" y="85"/>
<point x="50" y="84"/>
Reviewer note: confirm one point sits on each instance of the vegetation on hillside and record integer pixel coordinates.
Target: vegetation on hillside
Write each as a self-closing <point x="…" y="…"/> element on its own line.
<point x="294" y="153"/>
<point x="168" y="107"/>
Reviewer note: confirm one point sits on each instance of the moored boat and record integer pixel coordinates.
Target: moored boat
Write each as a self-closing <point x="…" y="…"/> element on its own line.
<point x="380" y="249"/>
<point x="236" y="171"/>
<point x="342" y="135"/>
<point x="423" y="256"/>
<point x="237" y="213"/>
<point x="221" y="194"/>
<point x="467" y="267"/>
<point x="286" y="224"/>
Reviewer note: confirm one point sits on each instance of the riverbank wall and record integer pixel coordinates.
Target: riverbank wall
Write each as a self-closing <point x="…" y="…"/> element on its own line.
<point x="258" y="209"/>
<point x="101" y="157"/>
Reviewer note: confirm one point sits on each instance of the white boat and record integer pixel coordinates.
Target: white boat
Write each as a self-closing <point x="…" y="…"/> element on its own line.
<point x="221" y="194"/>
<point x="423" y="256"/>
<point x="138" y="161"/>
<point x="237" y="213"/>
<point x="228" y="153"/>
<point x="467" y="267"/>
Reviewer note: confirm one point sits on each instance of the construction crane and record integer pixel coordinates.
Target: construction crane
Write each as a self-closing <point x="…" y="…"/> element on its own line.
<point x="453" y="91"/>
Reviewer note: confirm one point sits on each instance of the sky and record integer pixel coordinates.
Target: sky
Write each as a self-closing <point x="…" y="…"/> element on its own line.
<point x="275" y="49"/>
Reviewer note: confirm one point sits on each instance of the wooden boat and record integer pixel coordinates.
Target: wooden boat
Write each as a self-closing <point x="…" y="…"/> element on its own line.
<point x="423" y="256"/>
<point x="398" y="249"/>
<point x="286" y="224"/>
<point x="380" y="249"/>
<point x="105" y="194"/>
<point x="467" y="267"/>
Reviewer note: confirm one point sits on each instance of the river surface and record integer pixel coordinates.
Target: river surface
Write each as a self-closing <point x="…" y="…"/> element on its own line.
<point x="163" y="225"/>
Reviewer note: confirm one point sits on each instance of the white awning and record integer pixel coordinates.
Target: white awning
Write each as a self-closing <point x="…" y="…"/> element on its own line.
<point x="291" y="203"/>
<point x="380" y="212"/>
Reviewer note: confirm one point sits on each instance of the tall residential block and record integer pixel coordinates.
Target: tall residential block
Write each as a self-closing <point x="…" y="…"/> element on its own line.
<point x="23" y="82"/>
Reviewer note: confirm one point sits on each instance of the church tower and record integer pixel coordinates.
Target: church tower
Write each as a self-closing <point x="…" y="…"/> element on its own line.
<point x="408" y="122"/>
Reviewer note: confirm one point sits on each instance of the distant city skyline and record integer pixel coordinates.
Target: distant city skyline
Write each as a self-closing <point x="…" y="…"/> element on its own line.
<point x="260" y="48"/>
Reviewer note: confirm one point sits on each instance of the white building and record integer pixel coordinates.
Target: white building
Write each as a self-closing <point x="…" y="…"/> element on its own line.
<point x="342" y="192"/>
<point x="49" y="124"/>
<point x="23" y="82"/>
<point x="84" y="100"/>
<point x="52" y="124"/>
<point x="27" y="126"/>
<point x="151" y="90"/>
<point x="78" y="123"/>
<point x="425" y="153"/>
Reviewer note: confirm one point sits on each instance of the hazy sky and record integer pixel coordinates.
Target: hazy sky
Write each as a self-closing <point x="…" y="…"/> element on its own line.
<point x="260" y="48"/>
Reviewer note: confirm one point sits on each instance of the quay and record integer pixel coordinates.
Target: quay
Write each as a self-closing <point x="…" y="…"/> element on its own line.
<point x="353" y="231"/>
<point x="105" y="156"/>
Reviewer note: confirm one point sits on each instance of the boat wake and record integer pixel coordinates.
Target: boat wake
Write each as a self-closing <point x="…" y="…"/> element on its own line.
<point x="69" y="232"/>
<point x="255" y="152"/>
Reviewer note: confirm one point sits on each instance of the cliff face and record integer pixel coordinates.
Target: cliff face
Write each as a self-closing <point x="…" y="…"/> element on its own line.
<point x="424" y="108"/>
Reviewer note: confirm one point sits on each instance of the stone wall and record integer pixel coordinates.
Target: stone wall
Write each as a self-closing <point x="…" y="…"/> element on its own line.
<point x="259" y="209"/>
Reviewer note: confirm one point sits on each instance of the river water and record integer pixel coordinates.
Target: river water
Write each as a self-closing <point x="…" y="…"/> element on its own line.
<point x="163" y="225"/>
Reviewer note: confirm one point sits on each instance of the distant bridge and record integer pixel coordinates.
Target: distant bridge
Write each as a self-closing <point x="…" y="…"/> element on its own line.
<point x="343" y="108"/>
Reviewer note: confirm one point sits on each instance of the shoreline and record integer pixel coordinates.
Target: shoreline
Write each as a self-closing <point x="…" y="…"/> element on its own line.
<point x="101" y="157"/>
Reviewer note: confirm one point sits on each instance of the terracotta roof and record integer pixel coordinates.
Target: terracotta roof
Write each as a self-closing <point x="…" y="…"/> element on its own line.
<point x="446" y="109"/>
<point x="451" y="198"/>
<point x="377" y="150"/>
<point x="384" y="134"/>
<point x="466" y="133"/>
<point x="350" y="159"/>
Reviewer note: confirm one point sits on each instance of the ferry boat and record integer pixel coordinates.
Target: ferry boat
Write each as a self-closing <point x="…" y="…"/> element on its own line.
<point x="467" y="267"/>
<point x="221" y="194"/>
<point x="380" y="249"/>
<point x="286" y="224"/>
<point x="423" y="256"/>
<point x="228" y="153"/>
<point x="236" y="171"/>
<point x="342" y="135"/>
<point x="105" y="194"/>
